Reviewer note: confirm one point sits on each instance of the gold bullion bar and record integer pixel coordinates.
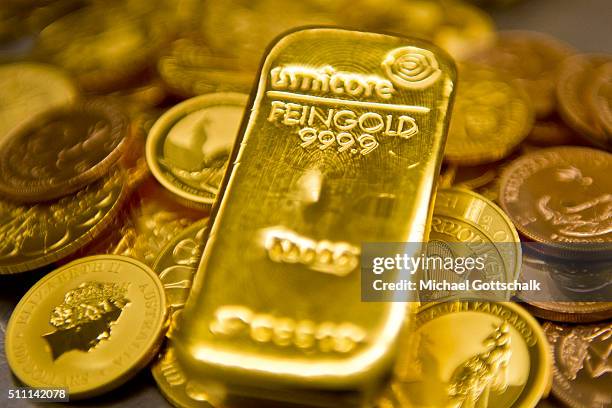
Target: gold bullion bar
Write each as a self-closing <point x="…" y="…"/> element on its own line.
<point x="342" y="145"/>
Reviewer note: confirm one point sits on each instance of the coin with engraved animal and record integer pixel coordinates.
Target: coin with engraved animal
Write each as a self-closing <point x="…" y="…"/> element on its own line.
<point x="27" y="89"/>
<point x="490" y="117"/>
<point x="88" y="326"/>
<point x="32" y="236"/>
<point x="62" y="151"/>
<point x="497" y="356"/>
<point x="581" y="104"/>
<point x="533" y="59"/>
<point x="189" y="146"/>
<point x="582" y="373"/>
<point x="561" y="196"/>
<point x="178" y="261"/>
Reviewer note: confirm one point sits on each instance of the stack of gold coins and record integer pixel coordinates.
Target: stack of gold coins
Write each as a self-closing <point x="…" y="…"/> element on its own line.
<point x="190" y="189"/>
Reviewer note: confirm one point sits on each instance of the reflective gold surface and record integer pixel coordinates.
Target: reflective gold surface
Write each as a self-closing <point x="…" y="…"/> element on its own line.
<point x="490" y="117"/>
<point x="62" y="151"/>
<point x="337" y="154"/>
<point x="188" y="148"/>
<point x="561" y="196"/>
<point x="497" y="357"/>
<point x="88" y="326"/>
<point x="177" y="262"/>
<point x="580" y="90"/>
<point x="27" y="89"/>
<point x="582" y="376"/>
<point x="467" y="217"/>
<point x="32" y="236"/>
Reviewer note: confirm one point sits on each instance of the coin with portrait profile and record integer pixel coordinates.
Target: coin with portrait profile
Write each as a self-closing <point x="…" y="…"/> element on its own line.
<point x="189" y="146"/>
<point x="62" y="151"/>
<point x="88" y="326"/>
<point x="561" y="196"/>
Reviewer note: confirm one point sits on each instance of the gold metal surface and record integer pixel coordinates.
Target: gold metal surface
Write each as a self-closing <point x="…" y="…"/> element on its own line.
<point x="561" y="196"/>
<point x="88" y="326"/>
<point x="490" y="117"/>
<point x="189" y="146"/>
<point x="469" y="218"/>
<point x="497" y="357"/>
<point x="579" y="93"/>
<point x="62" y="151"/>
<point x="27" y="89"/>
<point x="177" y="263"/>
<point x="581" y="355"/>
<point x="342" y="145"/>
<point x="32" y="236"/>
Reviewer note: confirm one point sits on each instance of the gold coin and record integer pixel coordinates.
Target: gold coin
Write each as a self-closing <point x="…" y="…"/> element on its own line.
<point x="561" y="196"/>
<point x="27" y="89"/>
<point x="582" y="377"/>
<point x="551" y="132"/>
<point x="474" y="177"/>
<point x="180" y="389"/>
<point x="62" y="151"/>
<point x="190" y="68"/>
<point x="532" y="59"/>
<point x="490" y="117"/>
<point x="497" y="356"/>
<point x="571" y="290"/>
<point x="188" y="147"/>
<point x="575" y="87"/>
<point x="102" y="46"/>
<point x="601" y="98"/>
<point x="178" y="261"/>
<point x="571" y="312"/>
<point x="88" y="326"/>
<point x="485" y="231"/>
<point x="465" y="29"/>
<point x="147" y="223"/>
<point x="37" y="235"/>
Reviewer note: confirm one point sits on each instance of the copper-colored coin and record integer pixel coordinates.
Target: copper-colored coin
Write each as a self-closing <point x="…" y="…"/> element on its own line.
<point x="533" y="59"/>
<point x="575" y="87"/>
<point x="61" y="151"/>
<point x="490" y="118"/>
<point x="582" y="374"/>
<point x="600" y="98"/>
<point x="561" y="196"/>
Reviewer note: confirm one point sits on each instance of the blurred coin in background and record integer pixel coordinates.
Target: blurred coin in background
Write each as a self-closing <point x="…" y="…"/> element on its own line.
<point x="584" y="108"/>
<point x="62" y="151"/>
<point x="490" y="118"/>
<point x="27" y="89"/>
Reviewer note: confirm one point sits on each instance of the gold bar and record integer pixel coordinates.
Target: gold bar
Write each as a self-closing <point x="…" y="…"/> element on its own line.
<point x="342" y="146"/>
